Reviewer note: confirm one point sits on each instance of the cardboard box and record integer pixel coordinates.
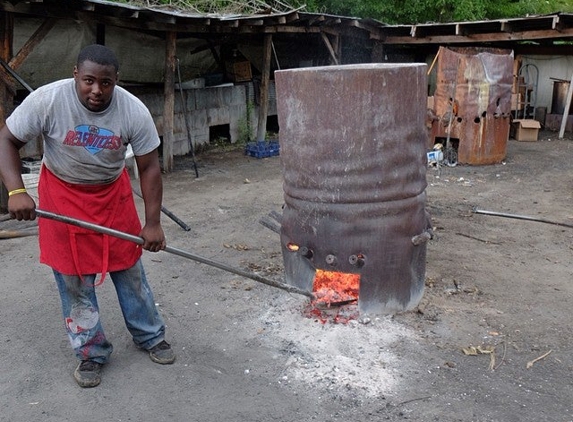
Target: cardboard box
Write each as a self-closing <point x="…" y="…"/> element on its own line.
<point x="526" y="129"/>
<point x="240" y="71"/>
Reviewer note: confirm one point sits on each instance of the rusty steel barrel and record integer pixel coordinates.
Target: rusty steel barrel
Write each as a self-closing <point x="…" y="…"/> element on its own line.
<point x="472" y="102"/>
<point x="353" y="153"/>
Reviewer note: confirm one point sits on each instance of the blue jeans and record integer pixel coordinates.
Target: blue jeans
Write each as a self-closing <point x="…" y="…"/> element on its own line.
<point x="81" y="312"/>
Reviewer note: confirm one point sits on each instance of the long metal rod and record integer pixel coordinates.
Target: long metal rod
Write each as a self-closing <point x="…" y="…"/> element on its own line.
<point x="184" y="106"/>
<point x="449" y="152"/>
<point x="453" y="106"/>
<point x="16" y="76"/>
<point x="521" y="217"/>
<point x="170" y="249"/>
<point x="168" y="214"/>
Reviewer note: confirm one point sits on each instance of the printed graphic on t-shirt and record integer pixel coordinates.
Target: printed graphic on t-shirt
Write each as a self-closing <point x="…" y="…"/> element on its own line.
<point x="92" y="138"/>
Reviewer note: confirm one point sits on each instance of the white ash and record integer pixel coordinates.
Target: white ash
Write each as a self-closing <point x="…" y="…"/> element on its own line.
<point x="345" y="360"/>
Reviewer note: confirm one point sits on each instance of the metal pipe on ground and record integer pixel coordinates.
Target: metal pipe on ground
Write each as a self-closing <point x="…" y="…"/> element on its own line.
<point x="172" y="250"/>
<point x="521" y="217"/>
<point x="11" y="234"/>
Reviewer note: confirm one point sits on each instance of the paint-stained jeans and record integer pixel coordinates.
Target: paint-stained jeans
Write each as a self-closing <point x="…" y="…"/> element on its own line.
<point x="81" y="312"/>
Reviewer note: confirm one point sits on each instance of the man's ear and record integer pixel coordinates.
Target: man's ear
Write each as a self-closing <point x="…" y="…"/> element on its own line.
<point x="75" y="72"/>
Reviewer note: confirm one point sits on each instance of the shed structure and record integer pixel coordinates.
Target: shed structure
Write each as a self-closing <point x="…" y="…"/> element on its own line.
<point x="157" y="45"/>
<point x="234" y="56"/>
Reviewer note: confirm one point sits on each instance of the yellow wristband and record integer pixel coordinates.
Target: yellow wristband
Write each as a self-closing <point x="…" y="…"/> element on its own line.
<point x="16" y="191"/>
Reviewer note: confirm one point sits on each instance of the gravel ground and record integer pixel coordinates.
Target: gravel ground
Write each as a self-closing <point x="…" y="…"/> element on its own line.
<point x="490" y="341"/>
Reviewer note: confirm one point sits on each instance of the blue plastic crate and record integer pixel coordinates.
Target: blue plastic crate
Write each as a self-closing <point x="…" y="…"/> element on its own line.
<point x="262" y="149"/>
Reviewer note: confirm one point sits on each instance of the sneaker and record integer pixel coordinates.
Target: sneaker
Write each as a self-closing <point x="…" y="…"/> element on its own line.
<point x="87" y="374"/>
<point x="162" y="353"/>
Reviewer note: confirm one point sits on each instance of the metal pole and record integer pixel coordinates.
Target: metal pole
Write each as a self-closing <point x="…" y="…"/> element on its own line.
<point x="449" y="150"/>
<point x="170" y="249"/>
<point x="521" y="217"/>
<point x="16" y="76"/>
<point x="184" y="109"/>
<point x="168" y="214"/>
<point x="566" y="111"/>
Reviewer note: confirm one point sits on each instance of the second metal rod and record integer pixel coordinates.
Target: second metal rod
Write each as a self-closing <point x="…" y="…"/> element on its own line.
<point x="168" y="214"/>
<point x="521" y="217"/>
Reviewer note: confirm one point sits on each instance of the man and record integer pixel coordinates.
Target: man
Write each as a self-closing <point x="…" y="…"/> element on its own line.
<point x="86" y="123"/>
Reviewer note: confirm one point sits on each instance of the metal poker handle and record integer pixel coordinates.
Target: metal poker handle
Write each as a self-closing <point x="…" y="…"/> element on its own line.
<point x="172" y="250"/>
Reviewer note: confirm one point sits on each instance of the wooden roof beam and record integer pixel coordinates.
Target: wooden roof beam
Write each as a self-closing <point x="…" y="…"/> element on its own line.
<point x="295" y="29"/>
<point x="32" y="42"/>
<point x="157" y="17"/>
<point x="123" y="12"/>
<point x="315" y="19"/>
<point x="332" y="21"/>
<point x="346" y="31"/>
<point x="555" y="22"/>
<point x="291" y="17"/>
<point x="469" y="28"/>
<point x="506" y="26"/>
<point x="361" y="25"/>
<point x="426" y="30"/>
<point x="330" y="48"/>
<point x="496" y="37"/>
<point x="252" y="22"/>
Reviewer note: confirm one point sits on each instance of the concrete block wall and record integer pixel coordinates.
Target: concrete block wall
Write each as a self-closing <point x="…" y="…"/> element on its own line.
<point x="206" y="107"/>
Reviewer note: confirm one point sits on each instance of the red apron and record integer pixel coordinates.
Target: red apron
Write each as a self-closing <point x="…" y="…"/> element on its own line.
<point x="74" y="250"/>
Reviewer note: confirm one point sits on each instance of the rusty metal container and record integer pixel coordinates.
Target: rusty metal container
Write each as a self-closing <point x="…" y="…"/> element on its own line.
<point x="353" y="153"/>
<point x="479" y="80"/>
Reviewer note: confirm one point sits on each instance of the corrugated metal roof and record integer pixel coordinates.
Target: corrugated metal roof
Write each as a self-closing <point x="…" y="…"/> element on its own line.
<point x="170" y="19"/>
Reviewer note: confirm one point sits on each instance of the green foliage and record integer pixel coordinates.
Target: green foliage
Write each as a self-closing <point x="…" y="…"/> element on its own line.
<point x="387" y="11"/>
<point x="423" y="11"/>
<point x="244" y="126"/>
<point x="244" y="7"/>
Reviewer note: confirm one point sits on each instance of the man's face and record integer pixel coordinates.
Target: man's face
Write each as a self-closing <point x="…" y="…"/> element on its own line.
<point x="95" y="84"/>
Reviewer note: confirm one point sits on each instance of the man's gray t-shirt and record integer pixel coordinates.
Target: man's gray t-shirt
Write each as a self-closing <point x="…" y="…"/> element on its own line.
<point x="82" y="146"/>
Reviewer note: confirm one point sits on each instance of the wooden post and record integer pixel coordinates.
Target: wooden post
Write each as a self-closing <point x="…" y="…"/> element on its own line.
<point x="169" y="100"/>
<point x="567" y="107"/>
<point x="6" y="34"/>
<point x="264" y="98"/>
<point x="330" y="48"/>
<point x="434" y="61"/>
<point x="6" y="95"/>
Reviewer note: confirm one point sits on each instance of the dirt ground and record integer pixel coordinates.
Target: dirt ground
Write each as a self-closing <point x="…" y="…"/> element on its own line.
<point x="500" y="289"/>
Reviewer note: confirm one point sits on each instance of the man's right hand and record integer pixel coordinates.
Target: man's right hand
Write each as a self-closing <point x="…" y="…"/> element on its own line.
<point x="22" y="207"/>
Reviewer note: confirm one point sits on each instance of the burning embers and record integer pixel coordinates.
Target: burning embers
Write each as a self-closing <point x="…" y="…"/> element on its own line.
<point x="336" y="293"/>
<point x="334" y="288"/>
<point x="336" y="296"/>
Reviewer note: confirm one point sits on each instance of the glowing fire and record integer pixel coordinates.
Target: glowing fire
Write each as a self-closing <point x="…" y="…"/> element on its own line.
<point x="292" y="247"/>
<point x="332" y="287"/>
